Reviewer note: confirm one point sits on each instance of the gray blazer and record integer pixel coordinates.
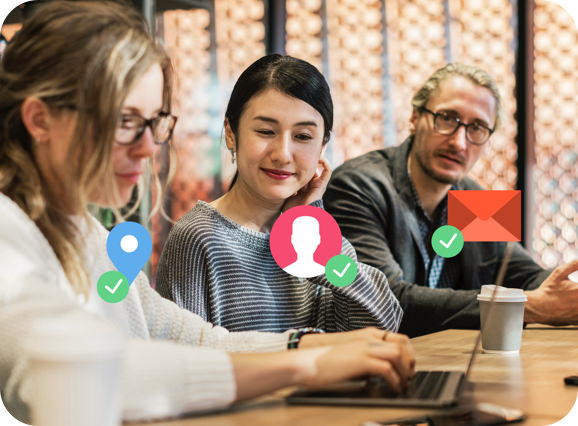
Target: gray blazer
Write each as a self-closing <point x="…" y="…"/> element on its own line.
<point x="370" y="198"/>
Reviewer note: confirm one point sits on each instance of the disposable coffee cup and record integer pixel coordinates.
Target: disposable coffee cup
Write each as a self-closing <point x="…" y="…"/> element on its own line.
<point x="502" y="331"/>
<point x="75" y="363"/>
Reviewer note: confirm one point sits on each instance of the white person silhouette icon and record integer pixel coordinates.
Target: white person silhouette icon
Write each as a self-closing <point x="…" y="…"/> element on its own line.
<point x="305" y="239"/>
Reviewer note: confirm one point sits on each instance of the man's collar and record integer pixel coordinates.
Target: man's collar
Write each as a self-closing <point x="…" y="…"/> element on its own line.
<point x="401" y="178"/>
<point x="413" y="192"/>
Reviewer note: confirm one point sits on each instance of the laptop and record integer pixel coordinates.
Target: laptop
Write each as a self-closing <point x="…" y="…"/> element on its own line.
<point x="427" y="389"/>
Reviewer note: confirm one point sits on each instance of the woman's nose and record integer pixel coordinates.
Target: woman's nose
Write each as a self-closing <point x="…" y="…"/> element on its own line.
<point x="145" y="145"/>
<point x="281" y="150"/>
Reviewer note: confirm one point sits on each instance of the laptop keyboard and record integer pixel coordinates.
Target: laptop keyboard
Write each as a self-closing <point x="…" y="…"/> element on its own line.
<point x="427" y="384"/>
<point x="424" y="385"/>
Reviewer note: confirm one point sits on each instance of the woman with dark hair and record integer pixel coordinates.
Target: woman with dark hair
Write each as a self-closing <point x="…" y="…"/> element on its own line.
<point x="84" y="99"/>
<point x="288" y="75"/>
<point x="277" y="124"/>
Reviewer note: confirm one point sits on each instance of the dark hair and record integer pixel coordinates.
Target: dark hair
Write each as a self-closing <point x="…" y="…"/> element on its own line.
<point x="289" y="75"/>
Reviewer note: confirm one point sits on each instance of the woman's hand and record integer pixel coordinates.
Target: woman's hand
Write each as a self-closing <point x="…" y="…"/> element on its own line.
<point x="362" y="336"/>
<point x="260" y="373"/>
<point x="313" y="190"/>
<point x="326" y="365"/>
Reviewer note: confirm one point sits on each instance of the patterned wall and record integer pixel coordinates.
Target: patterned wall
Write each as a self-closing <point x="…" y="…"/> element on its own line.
<point x="417" y="46"/>
<point x="304" y="27"/>
<point x="482" y="34"/>
<point x="555" y="172"/>
<point x="375" y="55"/>
<point x="186" y="34"/>
<point x="380" y="53"/>
<point x="240" y="41"/>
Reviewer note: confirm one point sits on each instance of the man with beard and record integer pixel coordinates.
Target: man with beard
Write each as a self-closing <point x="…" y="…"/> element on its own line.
<point x="389" y="202"/>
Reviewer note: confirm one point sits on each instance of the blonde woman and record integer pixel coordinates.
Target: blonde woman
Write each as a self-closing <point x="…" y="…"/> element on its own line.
<point x="84" y="97"/>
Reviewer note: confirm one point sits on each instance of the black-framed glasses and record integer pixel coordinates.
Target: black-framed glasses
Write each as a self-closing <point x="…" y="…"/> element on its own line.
<point x="447" y="124"/>
<point x="132" y="127"/>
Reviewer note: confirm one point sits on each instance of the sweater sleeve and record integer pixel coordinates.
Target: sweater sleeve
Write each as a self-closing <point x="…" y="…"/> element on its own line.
<point x="367" y="301"/>
<point x="188" y="379"/>
<point x="167" y="321"/>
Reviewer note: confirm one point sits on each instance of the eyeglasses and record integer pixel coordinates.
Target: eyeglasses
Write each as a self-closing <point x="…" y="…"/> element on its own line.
<point x="132" y="127"/>
<point x="447" y="124"/>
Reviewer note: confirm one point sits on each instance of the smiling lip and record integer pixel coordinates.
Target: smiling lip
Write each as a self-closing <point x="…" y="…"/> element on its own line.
<point x="130" y="177"/>
<point x="277" y="174"/>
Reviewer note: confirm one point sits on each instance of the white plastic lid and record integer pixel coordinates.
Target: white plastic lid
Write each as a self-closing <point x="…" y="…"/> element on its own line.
<point x="77" y="335"/>
<point x="504" y="294"/>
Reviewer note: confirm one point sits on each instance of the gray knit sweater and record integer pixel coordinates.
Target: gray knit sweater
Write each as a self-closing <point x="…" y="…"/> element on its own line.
<point x="225" y="273"/>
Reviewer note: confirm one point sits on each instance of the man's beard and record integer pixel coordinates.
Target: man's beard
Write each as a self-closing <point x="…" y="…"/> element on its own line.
<point x="432" y="174"/>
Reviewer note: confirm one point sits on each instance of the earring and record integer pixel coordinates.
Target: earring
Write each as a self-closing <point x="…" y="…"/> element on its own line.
<point x="234" y="158"/>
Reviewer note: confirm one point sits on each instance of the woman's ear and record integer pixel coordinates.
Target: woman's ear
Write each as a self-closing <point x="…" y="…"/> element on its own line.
<point x="36" y="118"/>
<point x="323" y="148"/>
<point x="230" y="139"/>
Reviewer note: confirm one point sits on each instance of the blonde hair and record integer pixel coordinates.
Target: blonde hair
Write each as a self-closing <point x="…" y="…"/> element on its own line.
<point x="82" y="56"/>
<point x="476" y="75"/>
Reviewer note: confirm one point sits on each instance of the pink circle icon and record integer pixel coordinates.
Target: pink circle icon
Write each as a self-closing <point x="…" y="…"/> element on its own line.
<point x="303" y="239"/>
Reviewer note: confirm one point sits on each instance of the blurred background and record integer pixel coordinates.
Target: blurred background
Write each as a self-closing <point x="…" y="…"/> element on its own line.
<point x="375" y="54"/>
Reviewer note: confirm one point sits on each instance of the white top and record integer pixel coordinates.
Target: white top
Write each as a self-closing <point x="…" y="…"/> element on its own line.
<point x="161" y="378"/>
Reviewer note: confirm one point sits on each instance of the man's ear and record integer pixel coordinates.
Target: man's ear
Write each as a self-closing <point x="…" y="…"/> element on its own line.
<point x="413" y="120"/>
<point x="36" y="118"/>
<point x="230" y="139"/>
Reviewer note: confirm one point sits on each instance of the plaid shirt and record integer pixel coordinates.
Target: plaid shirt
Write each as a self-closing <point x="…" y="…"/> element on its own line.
<point x="441" y="272"/>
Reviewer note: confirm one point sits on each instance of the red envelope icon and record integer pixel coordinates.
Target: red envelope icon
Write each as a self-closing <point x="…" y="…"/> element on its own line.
<point x="486" y="215"/>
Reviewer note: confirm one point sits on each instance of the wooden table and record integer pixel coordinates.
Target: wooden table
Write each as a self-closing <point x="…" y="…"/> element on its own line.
<point x="531" y="381"/>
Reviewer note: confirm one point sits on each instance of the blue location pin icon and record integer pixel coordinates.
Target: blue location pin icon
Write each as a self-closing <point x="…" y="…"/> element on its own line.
<point x="129" y="246"/>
